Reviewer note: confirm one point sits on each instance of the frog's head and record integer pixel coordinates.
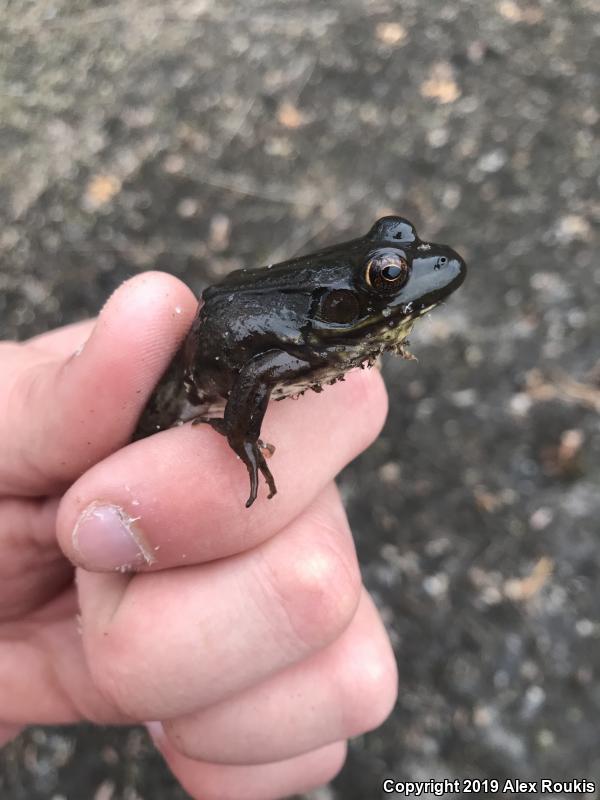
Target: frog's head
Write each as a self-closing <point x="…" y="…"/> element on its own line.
<point x="403" y="270"/>
<point x="396" y="278"/>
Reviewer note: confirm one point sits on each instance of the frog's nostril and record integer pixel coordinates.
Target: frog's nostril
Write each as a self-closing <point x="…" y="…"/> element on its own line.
<point x="441" y="262"/>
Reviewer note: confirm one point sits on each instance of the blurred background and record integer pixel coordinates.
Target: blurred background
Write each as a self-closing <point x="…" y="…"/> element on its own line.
<point x="199" y="137"/>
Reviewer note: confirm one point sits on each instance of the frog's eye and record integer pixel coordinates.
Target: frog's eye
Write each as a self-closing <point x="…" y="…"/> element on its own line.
<point x="387" y="272"/>
<point x="388" y="229"/>
<point x="339" y="305"/>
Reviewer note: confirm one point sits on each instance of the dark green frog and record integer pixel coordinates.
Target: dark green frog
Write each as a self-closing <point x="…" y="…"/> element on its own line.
<point x="282" y="329"/>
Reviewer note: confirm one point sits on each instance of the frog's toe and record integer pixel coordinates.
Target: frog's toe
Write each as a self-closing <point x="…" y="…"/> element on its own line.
<point x="266" y="473"/>
<point x="270" y="448"/>
<point x="250" y="455"/>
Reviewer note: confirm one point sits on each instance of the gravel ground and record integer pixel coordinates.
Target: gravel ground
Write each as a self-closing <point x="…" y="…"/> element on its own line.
<point x="199" y="137"/>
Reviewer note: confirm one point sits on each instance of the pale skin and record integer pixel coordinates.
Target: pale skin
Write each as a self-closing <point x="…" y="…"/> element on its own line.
<point x="264" y="654"/>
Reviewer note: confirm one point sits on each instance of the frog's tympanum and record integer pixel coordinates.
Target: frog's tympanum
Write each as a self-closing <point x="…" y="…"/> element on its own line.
<point x="279" y="330"/>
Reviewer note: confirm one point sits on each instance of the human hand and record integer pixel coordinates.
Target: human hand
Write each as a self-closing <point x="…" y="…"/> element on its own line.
<point x="247" y="632"/>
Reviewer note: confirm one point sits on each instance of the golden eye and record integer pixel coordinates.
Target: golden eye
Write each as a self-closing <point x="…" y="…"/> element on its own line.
<point x="387" y="271"/>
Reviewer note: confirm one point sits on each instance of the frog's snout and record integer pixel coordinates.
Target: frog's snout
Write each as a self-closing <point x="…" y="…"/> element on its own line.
<point x="434" y="276"/>
<point x="452" y="269"/>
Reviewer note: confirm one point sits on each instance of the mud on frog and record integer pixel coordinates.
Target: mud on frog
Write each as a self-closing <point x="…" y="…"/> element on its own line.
<point x="279" y="330"/>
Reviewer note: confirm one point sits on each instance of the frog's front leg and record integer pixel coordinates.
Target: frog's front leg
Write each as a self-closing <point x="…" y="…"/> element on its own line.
<point x="246" y="407"/>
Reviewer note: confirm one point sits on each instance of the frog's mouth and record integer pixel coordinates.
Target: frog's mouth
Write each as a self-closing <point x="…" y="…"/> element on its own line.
<point x="394" y="335"/>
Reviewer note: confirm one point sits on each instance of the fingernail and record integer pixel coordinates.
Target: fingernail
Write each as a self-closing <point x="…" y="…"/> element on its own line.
<point x="106" y="537"/>
<point x="156" y="731"/>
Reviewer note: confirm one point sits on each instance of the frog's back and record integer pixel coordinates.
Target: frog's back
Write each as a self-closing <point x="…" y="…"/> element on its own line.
<point x="252" y="310"/>
<point x="239" y="324"/>
<point x="287" y="276"/>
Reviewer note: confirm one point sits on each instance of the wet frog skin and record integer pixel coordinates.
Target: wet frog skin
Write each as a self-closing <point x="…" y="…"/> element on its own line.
<point x="276" y="331"/>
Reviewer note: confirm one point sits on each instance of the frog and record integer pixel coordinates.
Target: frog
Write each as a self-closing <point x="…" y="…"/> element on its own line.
<point x="273" y="332"/>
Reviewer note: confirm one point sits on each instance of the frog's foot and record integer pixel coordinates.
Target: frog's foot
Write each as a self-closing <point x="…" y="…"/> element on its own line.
<point x="252" y="456"/>
<point x="252" y="453"/>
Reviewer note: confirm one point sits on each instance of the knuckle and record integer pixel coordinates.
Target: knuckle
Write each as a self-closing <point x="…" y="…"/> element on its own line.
<point x="372" y="693"/>
<point x="320" y="588"/>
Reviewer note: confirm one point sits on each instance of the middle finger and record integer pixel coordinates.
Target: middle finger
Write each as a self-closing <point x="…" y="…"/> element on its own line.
<point x="344" y="690"/>
<point x="165" y="644"/>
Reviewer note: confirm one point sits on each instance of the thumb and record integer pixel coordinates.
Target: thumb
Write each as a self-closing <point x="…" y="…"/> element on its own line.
<point x="59" y="416"/>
